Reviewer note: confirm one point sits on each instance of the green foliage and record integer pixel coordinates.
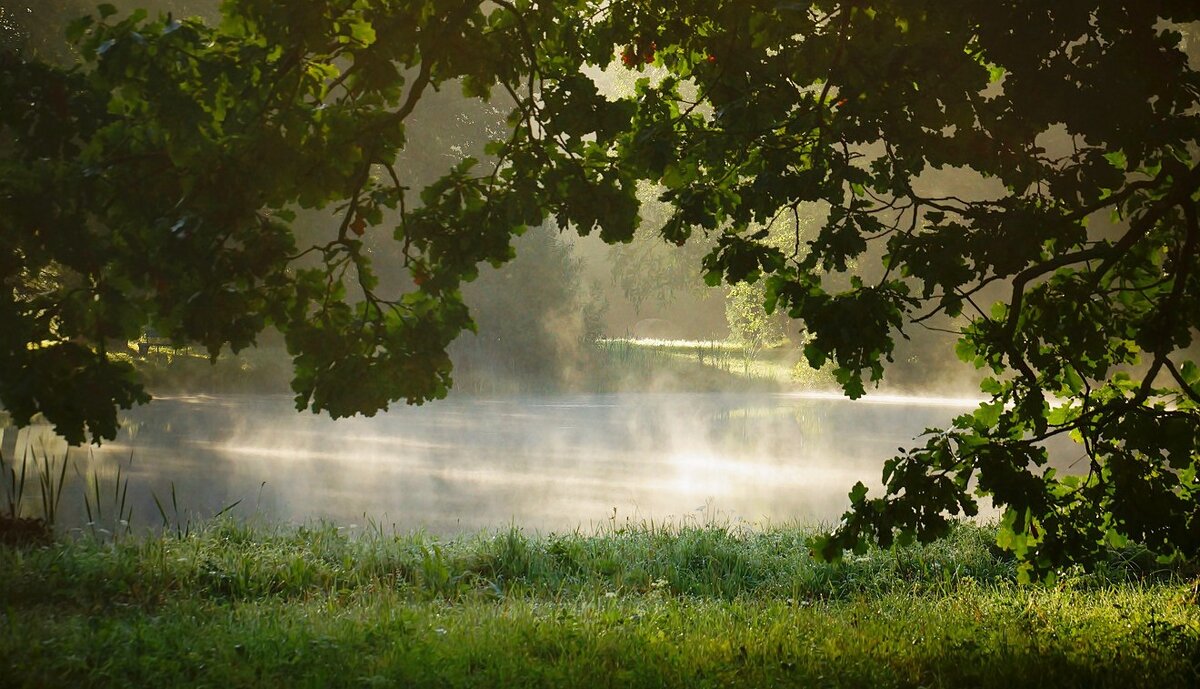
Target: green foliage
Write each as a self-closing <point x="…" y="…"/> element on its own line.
<point x="749" y="323"/>
<point x="750" y="309"/>
<point x="156" y="185"/>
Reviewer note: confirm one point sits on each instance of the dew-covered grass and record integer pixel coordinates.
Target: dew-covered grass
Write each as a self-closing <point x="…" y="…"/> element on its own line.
<point x="693" y="605"/>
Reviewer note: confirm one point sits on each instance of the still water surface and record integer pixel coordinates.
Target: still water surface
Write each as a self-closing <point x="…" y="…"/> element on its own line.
<point x="539" y="462"/>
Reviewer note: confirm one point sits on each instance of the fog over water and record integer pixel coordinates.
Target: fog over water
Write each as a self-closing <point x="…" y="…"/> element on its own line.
<point x="550" y="463"/>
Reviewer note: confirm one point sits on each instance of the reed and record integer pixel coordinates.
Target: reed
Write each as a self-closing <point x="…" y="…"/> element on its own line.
<point x="93" y="503"/>
<point x="49" y="473"/>
<point x="14" y="485"/>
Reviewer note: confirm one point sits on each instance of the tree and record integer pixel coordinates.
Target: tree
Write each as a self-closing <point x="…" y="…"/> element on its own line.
<point x="158" y="185"/>
<point x="1073" y="126"/>
<point x="529" y="315"/>
<point x="652" y="271"/>
<point x="749" y="322"/>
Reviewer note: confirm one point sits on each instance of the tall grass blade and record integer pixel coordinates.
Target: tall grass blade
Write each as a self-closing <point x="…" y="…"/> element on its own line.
<point x="10" y="492"/>
<point x="228" y="507"/>
<point x="161" y="512"/>
<point x="179" y="531"/>
<point x="87" y="508"/>
<point x="62" y="481"/>
<point x="96" y="491"/>
<point x="21" y="485"/>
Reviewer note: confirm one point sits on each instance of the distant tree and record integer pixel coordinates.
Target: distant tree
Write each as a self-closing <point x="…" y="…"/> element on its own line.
<point x="157" y="183"/>
<point x="529" y="314"/>
<point x="749" y="322"/>
<point x="650" y="270"/>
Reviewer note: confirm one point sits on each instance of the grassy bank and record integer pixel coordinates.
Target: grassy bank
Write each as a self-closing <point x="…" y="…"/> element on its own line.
<point x="605" y="365"/>
<point x="700" y="365"/>
<point x="237" y="605"/>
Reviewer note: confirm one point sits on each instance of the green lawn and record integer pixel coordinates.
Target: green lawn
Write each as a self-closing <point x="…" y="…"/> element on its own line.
<point x="633" y="606"/>
<point x="696" y="365"/>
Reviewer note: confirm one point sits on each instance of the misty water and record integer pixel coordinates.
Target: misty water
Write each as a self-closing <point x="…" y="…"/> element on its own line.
<point x="549" y="463"/>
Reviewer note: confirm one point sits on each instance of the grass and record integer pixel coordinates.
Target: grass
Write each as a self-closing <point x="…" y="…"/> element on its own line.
<point x="696" y="365"/>
<point x="605" y="365"/>
<point x="633" y="605"/>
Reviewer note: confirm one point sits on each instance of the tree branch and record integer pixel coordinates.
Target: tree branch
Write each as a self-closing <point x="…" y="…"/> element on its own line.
<point x="1183" y="384"/>
<point x="1180" y="193"/>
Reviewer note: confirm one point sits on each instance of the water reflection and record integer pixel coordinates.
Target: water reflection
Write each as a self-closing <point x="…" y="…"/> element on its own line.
<point x="548" y="463"/>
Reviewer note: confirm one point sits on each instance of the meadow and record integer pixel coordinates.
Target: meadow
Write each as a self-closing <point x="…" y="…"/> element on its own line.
<point x="243" y="603"/>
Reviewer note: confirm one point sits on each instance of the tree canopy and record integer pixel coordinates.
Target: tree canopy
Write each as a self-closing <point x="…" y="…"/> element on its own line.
<point x="157" y="182"/>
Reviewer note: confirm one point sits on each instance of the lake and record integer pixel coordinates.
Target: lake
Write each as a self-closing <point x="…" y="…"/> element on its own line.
<point x="547" y="463"/>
